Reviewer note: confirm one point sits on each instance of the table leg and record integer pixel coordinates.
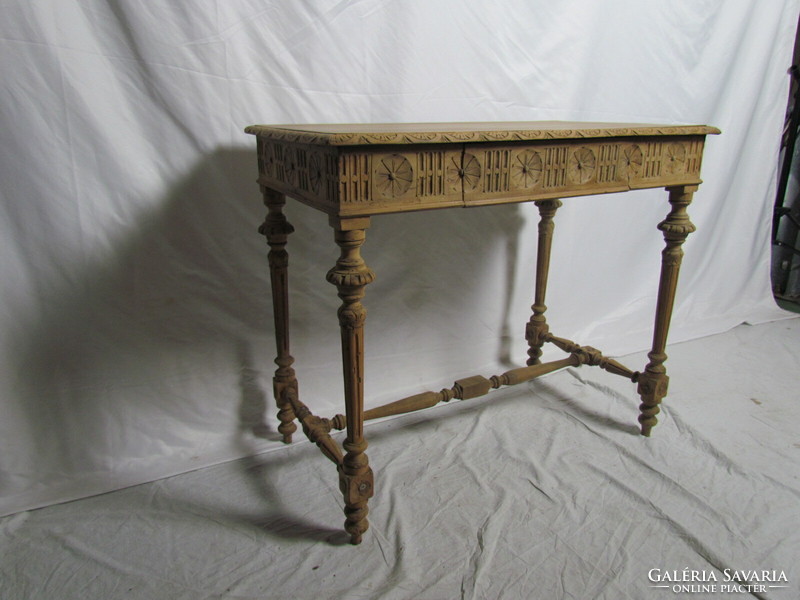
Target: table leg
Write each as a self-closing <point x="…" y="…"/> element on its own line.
<point x="277" y="229"/>
<point x="653" y="382"/>
<point x="537" y="327"/>
<point x="350" y="276"/>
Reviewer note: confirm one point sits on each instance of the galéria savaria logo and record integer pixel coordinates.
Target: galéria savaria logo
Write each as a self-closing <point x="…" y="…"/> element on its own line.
<point x="728" y="581"/>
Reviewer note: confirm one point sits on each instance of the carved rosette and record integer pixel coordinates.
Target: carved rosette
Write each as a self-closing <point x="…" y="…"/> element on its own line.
<point x="526" y="169"/>
<point x="674" y="158"/>
<point x="467" y="170"/>
<point x="393" y="175"/>
<point x="582" y="164"/>
<point x="453" y="172"/>
<point x="269" y="160"/>
<point x="630" y="162"/>
<point x="290" y="170"/>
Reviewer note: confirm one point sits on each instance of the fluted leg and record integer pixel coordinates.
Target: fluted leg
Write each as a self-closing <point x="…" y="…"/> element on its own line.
<point x="350" y="276"/>
<point x="653" y="382"/>
<point x="277" y="229"/>
<point x="537" y="327"/>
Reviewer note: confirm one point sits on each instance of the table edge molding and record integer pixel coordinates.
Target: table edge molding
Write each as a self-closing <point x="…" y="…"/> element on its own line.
<point x="388" y="137"/>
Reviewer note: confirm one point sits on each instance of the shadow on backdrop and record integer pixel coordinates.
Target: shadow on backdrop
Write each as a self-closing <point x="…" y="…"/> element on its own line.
<point x="157" y="359"/>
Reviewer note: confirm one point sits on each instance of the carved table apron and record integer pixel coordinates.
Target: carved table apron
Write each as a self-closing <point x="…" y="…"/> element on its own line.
<point x="352" y="172"/>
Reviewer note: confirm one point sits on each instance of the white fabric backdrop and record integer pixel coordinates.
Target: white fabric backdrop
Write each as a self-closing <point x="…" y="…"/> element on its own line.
<point x="135" y="332"/>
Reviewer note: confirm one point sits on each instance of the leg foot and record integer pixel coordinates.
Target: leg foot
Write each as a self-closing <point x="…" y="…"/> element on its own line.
<point x="652" y="388"/>
<point x="356" y="483"/>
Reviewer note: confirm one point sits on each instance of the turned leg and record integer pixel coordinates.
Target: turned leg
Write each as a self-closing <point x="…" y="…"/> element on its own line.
<point x="537" y="326"/>
<point x="350" y="276"/>
<point x="277" y="229"/>
<point x="653" y="381"/>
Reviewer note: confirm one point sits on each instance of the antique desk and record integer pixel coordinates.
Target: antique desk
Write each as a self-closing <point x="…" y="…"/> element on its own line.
<point x="352" y="172"/>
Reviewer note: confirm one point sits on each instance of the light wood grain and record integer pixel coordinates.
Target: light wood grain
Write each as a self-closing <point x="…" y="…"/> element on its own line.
<point x="653" y="383"/>
<point x="363" y="170"/>
<point x="350" y="276"/>
<point x="277" y="229"/>
<point x="345" y="134"/>
<point x="537" y="326"/>
<point x="353" y="172"/>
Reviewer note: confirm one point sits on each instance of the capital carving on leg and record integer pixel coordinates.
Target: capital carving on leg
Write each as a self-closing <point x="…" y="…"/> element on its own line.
<point x="537" y="328"/>
<point x="277" y="229"/>
<point x="350" y="276"/>
<point x="676" y="227"/>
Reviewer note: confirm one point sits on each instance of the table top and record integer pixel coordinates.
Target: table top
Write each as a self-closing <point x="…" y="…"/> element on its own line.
<point x="344" y="134"/>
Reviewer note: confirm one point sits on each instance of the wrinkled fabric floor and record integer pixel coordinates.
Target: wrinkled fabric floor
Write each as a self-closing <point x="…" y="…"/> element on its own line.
<point x="539" y="491"/>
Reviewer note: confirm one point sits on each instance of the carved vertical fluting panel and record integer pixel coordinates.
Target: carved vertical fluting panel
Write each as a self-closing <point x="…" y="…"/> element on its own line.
<point x="354" y="178"/>
<point x="653" y="381"/>
<point x="331" y="175"/>
<point x="430" y="174"/>
<point x="277" y="229"/>
<point x="652" y="160"/>
<point x="537" y="327"/>
<point x="350" y="276"/>
<point x="301" y="167"/>
<point x="555" y="167"/>
<point x="607" y="162"/>
<point x="277" y="159"/>
<point x="496" y="170"/>
<point x="694" y="156"/>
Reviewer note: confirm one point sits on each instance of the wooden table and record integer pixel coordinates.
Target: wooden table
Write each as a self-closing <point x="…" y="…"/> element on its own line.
<point x="352" y="172"/>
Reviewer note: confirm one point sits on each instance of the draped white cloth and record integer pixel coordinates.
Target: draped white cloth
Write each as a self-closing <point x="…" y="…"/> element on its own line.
<point x="135" y="330"/>
<point x="543" y="490"/>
